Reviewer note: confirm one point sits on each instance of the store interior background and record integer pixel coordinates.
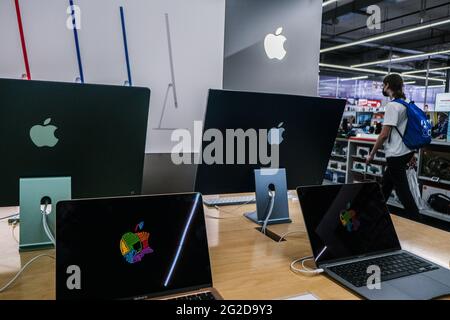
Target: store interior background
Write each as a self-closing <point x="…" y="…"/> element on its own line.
<point x="425" y="76"/>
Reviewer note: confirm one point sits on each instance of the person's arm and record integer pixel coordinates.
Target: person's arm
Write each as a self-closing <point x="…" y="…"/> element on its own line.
<point x="382" y="137"/>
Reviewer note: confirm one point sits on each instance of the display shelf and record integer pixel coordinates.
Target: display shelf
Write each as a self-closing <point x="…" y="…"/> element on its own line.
<point x="336" y="170"/>
<point x="394" y="203"/>
<point x="440" y="142"/>
<point x="352" y="175"/>
<point x="446" y="182"/>
<point x="425" y="212"/>
<point x="364" y="159"/>
<point x="435" y="214"/>
<point x="339" y="156"/>
<point x="367" y="173"/>
<point x="328" y="182"/>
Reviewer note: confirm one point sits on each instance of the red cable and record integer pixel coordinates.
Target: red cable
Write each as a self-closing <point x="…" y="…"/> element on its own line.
<point x="22" y="40"/>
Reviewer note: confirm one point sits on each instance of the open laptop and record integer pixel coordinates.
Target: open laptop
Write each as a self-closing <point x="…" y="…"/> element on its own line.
<point x="352" y="234"/>
<point x="144" y="247"/>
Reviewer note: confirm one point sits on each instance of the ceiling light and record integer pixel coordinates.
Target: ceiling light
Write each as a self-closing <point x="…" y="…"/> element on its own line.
<point x="425" y="70"/>
<point x="409" y="82"/>
<point x="355" y="78"/>
<point x="335" y="66"/>
<point x="422" y="55"/>
<point x="421" y="78"/>
<point x="328" y="2"/>
<point x="386" y="35"/>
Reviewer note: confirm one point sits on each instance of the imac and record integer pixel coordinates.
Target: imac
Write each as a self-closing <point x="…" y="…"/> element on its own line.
<point x="302" y="128"/>
<point x="61" y="141"/>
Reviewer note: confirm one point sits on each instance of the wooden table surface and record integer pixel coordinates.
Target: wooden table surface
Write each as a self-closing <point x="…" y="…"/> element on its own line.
<point x="246" y="264"/>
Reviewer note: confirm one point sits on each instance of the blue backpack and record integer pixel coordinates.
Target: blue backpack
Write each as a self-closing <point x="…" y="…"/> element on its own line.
<point x="418" y="129"/>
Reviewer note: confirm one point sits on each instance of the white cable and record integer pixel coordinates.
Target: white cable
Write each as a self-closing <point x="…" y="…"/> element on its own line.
<point x="13" y="233"/>
<point x="288" y="233"/>
<point x="47" y="230"/>
<point x="213" y="217"/>
<point x="22" y="269"/>
<point x="305" y="270"/>
<point x="16" y="215"/>
<point x="269" y="212"/>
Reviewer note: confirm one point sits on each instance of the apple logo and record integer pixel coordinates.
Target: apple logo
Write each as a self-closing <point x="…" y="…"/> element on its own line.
<point x="276" y="135"/>
<point x="134" y="246"/>
<point x="274" y="45"/>
<point x="44" y="136"/>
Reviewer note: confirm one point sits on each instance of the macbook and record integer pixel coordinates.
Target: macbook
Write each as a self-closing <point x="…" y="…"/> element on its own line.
<point x="133" y="248"/>
<point x="354" y="241"/>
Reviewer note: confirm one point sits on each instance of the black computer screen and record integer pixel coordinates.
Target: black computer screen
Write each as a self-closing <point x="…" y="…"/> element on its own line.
<point x="307" y="127"/>
<point x="132" y="247"/>
<point x="347" y="220"/>
<point x="95" y="134"/>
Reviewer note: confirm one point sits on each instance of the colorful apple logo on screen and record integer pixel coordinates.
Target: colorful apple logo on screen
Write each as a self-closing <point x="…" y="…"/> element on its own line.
<point x="274" y="45"/>
<point x="44" y="135"/>
<point x="134" y="246"/>
<point x="349" y="219"/>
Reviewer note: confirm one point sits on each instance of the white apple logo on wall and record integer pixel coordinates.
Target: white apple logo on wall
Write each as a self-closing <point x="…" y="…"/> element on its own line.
<point x="275" y="135"/>
<point x="44" y="135"/>
<point x="274" y="45"/>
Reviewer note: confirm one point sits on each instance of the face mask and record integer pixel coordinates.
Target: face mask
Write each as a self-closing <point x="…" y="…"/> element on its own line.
<point x="384" y="93"/>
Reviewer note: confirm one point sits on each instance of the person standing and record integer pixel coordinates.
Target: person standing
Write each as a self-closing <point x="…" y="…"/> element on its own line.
<point x="398" y="155"/>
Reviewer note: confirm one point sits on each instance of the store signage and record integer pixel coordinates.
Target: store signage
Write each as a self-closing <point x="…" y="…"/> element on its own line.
<point x="442" y="102"/>
<point x="369" y="103"/>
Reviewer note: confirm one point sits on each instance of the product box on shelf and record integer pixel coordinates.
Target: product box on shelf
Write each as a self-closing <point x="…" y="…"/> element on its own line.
<point x="427" y="191"/>
<point x="338" y="177"/>
<point x="339" y="149"/>
<point x="333" y="165"/>
<point x="380" y="155"/>
<point x="343" y="166"/>
<point x="435" y="164"/>
<point x="359" y="166"/>
<point x="362" y="151"/>
<point x="328" y="175"/>
<point x="374" y="169"/>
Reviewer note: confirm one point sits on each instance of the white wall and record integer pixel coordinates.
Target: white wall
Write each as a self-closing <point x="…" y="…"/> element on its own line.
<point x="197" y="28"/>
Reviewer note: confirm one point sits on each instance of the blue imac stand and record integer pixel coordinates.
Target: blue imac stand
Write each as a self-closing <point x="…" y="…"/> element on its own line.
<point x="33" y="192"/>
<point x="269" y="181"/>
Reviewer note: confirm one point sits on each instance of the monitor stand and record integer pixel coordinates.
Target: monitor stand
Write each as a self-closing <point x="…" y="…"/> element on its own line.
<point x="33" y="192"/>
<point x="270" y="180"/>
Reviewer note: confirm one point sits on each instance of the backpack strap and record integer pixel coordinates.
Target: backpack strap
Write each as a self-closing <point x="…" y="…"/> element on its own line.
<point x="406" y="105"/>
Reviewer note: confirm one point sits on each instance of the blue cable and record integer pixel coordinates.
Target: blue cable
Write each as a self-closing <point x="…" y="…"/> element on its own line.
<point x="127" y="57"/>
<point x="77" y="43"/>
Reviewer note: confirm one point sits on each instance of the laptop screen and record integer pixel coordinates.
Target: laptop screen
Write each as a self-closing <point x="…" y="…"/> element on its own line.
<point x="131" y="247"/>
<point x="344" y="221"/>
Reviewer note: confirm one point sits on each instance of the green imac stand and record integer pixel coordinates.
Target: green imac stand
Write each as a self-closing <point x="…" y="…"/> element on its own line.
<point x="33" y="191"/>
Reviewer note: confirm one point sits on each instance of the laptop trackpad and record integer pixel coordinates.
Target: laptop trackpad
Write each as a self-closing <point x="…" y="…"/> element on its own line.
<point x="420" y="287"/>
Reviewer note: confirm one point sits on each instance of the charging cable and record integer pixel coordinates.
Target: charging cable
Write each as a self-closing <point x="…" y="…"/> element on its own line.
<point x="305" y="270"/>
<point x="13" y="228"/>
<point x="16" y="215"/>
<point x="288" y="233"/>
<point x="47" y="230"/>
<point x="10" y="282"/>
<point x="269" y="212"/>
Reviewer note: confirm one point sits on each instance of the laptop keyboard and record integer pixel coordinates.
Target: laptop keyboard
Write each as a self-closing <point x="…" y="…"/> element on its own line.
<point x="200" y="296"/>
<point x="392" y="267"/>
